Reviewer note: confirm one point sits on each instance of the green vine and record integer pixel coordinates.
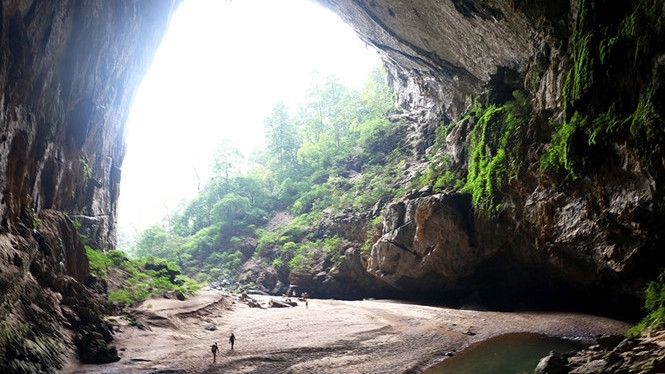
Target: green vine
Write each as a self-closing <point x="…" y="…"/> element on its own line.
<point x="494" y="151"/>
<point x="611" y="90"/>
<point x="87" y="171"/>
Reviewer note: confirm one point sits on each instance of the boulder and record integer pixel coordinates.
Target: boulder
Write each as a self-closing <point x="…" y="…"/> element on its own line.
<point x="177" y="295"/>
<point x="552" y="364"/>
<point x="273" y="303"/>
<point x="93" y="349"/>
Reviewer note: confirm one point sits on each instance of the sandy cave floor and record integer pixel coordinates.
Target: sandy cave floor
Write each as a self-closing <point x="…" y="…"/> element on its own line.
<point x="328" y="336"/>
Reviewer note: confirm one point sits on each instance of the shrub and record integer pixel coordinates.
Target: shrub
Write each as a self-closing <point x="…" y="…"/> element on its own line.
<point x="654" y="305"/>
<point x="141" y="284"/>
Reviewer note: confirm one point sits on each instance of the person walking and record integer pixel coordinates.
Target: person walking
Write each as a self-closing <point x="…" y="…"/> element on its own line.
<point x="232" y="340"/>
<point x="214" y="350"/>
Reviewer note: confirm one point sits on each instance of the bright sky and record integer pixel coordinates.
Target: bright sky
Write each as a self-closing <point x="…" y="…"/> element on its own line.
<point x="219" y="70"/>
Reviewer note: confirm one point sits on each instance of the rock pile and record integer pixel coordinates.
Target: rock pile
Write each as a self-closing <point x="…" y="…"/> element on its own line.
<point x="611" y="355"/>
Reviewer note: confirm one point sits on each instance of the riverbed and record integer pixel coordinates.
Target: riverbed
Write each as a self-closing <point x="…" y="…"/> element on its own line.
<point x="324" y="336"/>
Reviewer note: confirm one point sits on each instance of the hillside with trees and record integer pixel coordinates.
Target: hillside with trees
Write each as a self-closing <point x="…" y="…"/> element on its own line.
<point x="335" y="155"/>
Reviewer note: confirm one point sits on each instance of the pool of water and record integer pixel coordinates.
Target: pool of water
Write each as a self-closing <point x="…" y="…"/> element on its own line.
<point x="504" y="354"/>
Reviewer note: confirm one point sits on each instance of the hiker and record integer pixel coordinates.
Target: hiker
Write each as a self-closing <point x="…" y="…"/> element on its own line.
<point x="214" y="350"/>
<point x="232" y="340"/>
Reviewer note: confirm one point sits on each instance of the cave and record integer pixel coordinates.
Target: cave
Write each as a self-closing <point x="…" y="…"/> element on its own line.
<point x="578" y="226"/>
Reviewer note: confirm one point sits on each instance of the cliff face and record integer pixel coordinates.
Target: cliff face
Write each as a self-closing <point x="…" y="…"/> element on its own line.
<point x="438" y="53"/>
<point x="68" y="75"/>
<point x="68" y="72"/>
<point x="586" y="233"/>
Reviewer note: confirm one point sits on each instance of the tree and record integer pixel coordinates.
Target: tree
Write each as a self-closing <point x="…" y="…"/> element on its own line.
<point x="231" y="211"/>
<point x="156" y="241"/>
<point x="326" y="111"/>
<point x="226" y="161"/>
<point x="281" y="136"/>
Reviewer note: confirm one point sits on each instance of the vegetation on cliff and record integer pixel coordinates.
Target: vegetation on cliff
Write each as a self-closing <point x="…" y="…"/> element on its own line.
<point x="614" y="89"/>
<point x="495" y="129"/>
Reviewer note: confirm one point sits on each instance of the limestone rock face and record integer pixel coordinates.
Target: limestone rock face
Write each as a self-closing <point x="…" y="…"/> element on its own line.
<point x="68" y="76"/>
<point x="438" y="52"/>
<point x="68" y="73"/>
<point x="593" y="241"/>
<point x="48" y="303"/>
<point x="425" y="237"/>
<point x="639" y="356"/>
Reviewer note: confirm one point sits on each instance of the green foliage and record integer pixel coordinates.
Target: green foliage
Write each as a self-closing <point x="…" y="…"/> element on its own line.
<point x="303" y="261"/>
<point x="157" y="241"/>
<point x="141" y="283"/>
<point x="87" y="171"/>
<point x="559" y="152"/>
<point x="331" y="248"/>
<point x="654" y="305"/>
<point x="376" y="222"/>
<point x="334" y="152"/>
<point x="438" y="173"/>
<point x="610" y="93"/>
<point x="126" y="297"/>
<point x="494" y="157"/>
<point x="99" y="262"/>
<point x="282" y="137"/>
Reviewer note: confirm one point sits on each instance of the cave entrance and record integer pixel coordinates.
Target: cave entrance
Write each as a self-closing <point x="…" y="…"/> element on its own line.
<point x="221" y="67"/>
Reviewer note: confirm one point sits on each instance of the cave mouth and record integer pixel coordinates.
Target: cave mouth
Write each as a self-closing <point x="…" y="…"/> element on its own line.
<point x="503" y="285"/>
<point x="523" y="294"/>
<point x="218" y="72"/>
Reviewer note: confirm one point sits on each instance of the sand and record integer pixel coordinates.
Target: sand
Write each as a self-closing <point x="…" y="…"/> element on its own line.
<point x="326" y="336"/>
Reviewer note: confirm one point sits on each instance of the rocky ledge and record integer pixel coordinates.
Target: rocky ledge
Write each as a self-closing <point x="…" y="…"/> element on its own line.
<point x="611" y="355"/>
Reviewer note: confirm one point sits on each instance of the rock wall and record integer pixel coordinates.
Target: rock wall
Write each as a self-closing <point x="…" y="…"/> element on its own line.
<point x="68" y="76"/>
<point x="68" y="73"/>
<point x="439" y="52"/>
<point x="591" y="242"/>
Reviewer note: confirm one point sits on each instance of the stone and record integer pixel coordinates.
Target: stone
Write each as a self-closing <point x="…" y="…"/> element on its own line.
<point x="273" y="303"/>
<point x="552" y="364"/>
<point x="176" y="295"/>
<point x="95" y="350"/>
<point x="160" y="267"/>
<point x="607" y="342"/>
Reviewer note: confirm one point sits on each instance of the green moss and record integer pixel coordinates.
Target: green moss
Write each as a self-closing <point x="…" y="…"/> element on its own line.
<point x="99" y="262"/>
<point x="494" y="154"/>
<point x="559" y="152"/>
<point x="646" y="122"/>
<point x="610" y="91"/>
<point x="580" y="79"/>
